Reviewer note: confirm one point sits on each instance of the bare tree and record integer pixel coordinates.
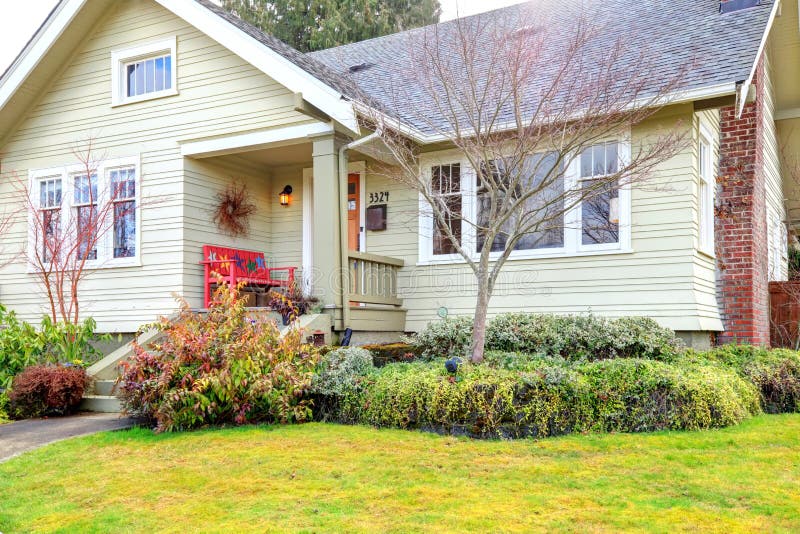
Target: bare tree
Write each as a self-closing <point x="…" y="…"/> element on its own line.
<point x="62" y="245"/>
<point x="520" y="102"/>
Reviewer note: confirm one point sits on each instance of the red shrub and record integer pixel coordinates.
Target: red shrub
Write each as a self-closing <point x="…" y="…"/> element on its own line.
<point x="47" y="390"/>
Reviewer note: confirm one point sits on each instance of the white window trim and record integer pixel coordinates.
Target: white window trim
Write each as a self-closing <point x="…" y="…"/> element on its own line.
<point x="705" y="211"/>
<point x="120" y="58"/>
<point x="105" y="245"/>
<point x="624" y="207"/>
<point x="572" y="227"/>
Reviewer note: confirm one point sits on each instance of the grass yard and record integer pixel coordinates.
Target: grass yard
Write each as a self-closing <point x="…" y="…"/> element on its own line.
<point x="327" y="478"/>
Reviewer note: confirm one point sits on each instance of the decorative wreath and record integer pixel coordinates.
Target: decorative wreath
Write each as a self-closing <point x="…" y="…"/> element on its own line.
<point x="233" y="210"/>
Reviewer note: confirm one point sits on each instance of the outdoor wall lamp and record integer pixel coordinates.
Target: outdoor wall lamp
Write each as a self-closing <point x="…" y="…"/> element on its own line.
<point x="286" y="195"/>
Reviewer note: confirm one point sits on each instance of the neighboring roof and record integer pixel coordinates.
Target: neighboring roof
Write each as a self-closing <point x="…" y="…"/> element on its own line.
<point x="719" y="49"/>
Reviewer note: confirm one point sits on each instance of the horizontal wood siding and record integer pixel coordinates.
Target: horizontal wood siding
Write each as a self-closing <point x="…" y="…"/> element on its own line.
<point x="771" y="157"/>
<point x="219" y="94"/>
<point x="663" y="278"/>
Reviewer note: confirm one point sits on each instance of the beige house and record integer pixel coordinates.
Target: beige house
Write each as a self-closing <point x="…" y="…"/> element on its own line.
<point x="183" y="99"/>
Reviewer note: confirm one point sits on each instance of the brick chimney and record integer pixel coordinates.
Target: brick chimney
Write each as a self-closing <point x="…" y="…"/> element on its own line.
<point x="741" y="225"/>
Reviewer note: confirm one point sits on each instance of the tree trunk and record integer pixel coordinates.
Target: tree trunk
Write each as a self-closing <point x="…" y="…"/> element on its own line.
<point x="479" y="323"/>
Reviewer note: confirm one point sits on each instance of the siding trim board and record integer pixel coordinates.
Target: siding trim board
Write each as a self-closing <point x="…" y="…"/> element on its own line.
<point x="249" y="141"/>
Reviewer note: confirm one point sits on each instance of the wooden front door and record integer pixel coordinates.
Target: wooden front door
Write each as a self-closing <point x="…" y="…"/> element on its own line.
<point x="353" y="211"/>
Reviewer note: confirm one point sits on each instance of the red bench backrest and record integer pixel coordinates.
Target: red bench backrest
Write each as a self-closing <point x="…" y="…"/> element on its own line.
<point x="244" y="262"/>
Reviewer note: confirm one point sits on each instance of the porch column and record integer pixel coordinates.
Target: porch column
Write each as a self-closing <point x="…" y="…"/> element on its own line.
<point x="327" y="279"/>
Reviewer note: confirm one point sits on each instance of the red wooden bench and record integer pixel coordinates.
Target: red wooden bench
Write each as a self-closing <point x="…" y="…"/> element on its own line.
<point x="236" y="265"/>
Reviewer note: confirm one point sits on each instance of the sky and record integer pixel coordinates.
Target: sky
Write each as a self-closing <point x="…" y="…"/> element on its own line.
<point x="18" y="24"/>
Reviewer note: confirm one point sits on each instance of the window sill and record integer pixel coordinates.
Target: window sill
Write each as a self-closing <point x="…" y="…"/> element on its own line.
<point x="144" y="98"/>
<point x="530" y="256"/>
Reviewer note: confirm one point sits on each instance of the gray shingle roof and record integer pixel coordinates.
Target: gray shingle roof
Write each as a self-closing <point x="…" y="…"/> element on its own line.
<point x="676" y="34"/>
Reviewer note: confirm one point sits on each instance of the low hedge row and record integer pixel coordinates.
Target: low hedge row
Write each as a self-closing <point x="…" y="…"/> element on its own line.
<point x="776" y="372"/>
<point x="549" y="397"/>
<point x="574" y="337"/>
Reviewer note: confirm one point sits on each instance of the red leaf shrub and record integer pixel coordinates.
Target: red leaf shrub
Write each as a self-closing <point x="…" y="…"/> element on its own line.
<point x="219" y="368"/>
<point x="47" y="390"/>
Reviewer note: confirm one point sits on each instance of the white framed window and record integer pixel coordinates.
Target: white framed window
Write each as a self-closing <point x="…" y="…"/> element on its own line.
<point x="705" y="193"/>
<point x="84" y="204"/>
<point x="123" y="197"/>
<point x="49" y="213"/>
<point x="546" y="205"/>
<point x="145" y="72"/>
<point x="599" y="213"/>
<point x="598" y="226"/>
<point x="446" y="184"/>
<point x="99" y="210"/>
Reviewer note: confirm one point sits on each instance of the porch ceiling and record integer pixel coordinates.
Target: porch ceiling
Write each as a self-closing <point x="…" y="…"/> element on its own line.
<point x="284" y="156"/>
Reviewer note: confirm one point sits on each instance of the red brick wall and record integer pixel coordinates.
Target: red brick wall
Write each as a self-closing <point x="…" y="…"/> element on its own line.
<point x="741" y="227"/>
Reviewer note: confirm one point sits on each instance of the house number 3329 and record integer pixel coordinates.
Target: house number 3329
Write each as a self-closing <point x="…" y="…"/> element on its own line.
<point x="382" y="196"/>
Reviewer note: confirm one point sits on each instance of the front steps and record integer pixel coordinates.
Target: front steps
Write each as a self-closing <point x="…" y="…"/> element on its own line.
<point x="101" y="397"/>
<point x="100" y="403"/>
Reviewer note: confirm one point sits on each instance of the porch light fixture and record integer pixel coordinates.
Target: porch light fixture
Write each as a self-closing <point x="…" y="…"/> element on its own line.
<point x="286" y="195"/>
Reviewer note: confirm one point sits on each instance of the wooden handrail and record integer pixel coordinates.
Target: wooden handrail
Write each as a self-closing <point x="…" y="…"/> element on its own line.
<point x="375" y="258"/>
<point x="373" y="278"/>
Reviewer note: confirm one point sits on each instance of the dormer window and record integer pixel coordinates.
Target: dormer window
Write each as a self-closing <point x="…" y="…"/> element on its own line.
<point x="144" y="73"/>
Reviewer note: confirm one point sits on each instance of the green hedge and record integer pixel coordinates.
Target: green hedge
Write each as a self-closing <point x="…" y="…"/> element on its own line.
<point x="549" y="398"/>
<point x="776" y="373"/>
<point x="574" y="337"/>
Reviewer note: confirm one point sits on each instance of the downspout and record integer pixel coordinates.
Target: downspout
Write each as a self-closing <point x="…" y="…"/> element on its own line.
<point x="345" y="263"/>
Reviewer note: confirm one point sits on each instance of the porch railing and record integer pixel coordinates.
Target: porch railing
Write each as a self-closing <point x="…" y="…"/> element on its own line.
<point x="373" y="278"/>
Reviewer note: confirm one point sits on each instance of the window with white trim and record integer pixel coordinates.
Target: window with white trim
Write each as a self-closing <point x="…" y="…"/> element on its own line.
<point x="144" y="72"/>
<point x="598" y="225"/>
<point x="600" y="210"/>
<point x="446" y="187"/>
<point x="545" y="186"/>
<point x="50" y="198"/>
<point x="123" y="196"/>
<point x="84" y="203"/>
<point x="99" y="210"/>
<point x="705" y="197"/>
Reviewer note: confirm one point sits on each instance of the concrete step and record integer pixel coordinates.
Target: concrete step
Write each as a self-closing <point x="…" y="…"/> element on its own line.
<point x="105" y="388"/>
<point x="101" y="403"/>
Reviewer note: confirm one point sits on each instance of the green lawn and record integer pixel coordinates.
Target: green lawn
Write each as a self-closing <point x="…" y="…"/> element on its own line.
<point x="327" y="478"/>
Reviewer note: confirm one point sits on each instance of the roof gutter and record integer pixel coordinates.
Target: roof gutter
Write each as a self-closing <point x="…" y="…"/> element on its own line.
<point x="343" y="244"/>
<point x="679" y="97"/>
<point x="744" y="88"/>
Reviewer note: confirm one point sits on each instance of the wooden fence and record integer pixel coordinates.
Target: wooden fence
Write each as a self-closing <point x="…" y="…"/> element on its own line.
<point x="784" y="314"/>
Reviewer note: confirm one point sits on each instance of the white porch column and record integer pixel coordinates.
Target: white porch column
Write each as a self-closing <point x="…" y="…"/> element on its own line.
<point x="327" y="244"/>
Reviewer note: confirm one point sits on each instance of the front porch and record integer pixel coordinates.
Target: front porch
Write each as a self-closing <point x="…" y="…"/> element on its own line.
<point x="309" y="193"/>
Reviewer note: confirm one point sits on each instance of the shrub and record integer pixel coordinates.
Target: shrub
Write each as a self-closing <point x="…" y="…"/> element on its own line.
<point x="47" y="390"/>
<point x="219" y="368"/>
<point x="4" y="416"/>
<point x="446" y="338"/>
<point x="340" y="369"/>
<point x="338" y="376"/>
<point x="776" y="373"/>
<point x="551" y="398"/>
<point x="574" y="337"/>
<point x="635" y="395"/>
<point x="22" y="345"/>
<point x="391" y="353"/>
<point x="581" y="337"/>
